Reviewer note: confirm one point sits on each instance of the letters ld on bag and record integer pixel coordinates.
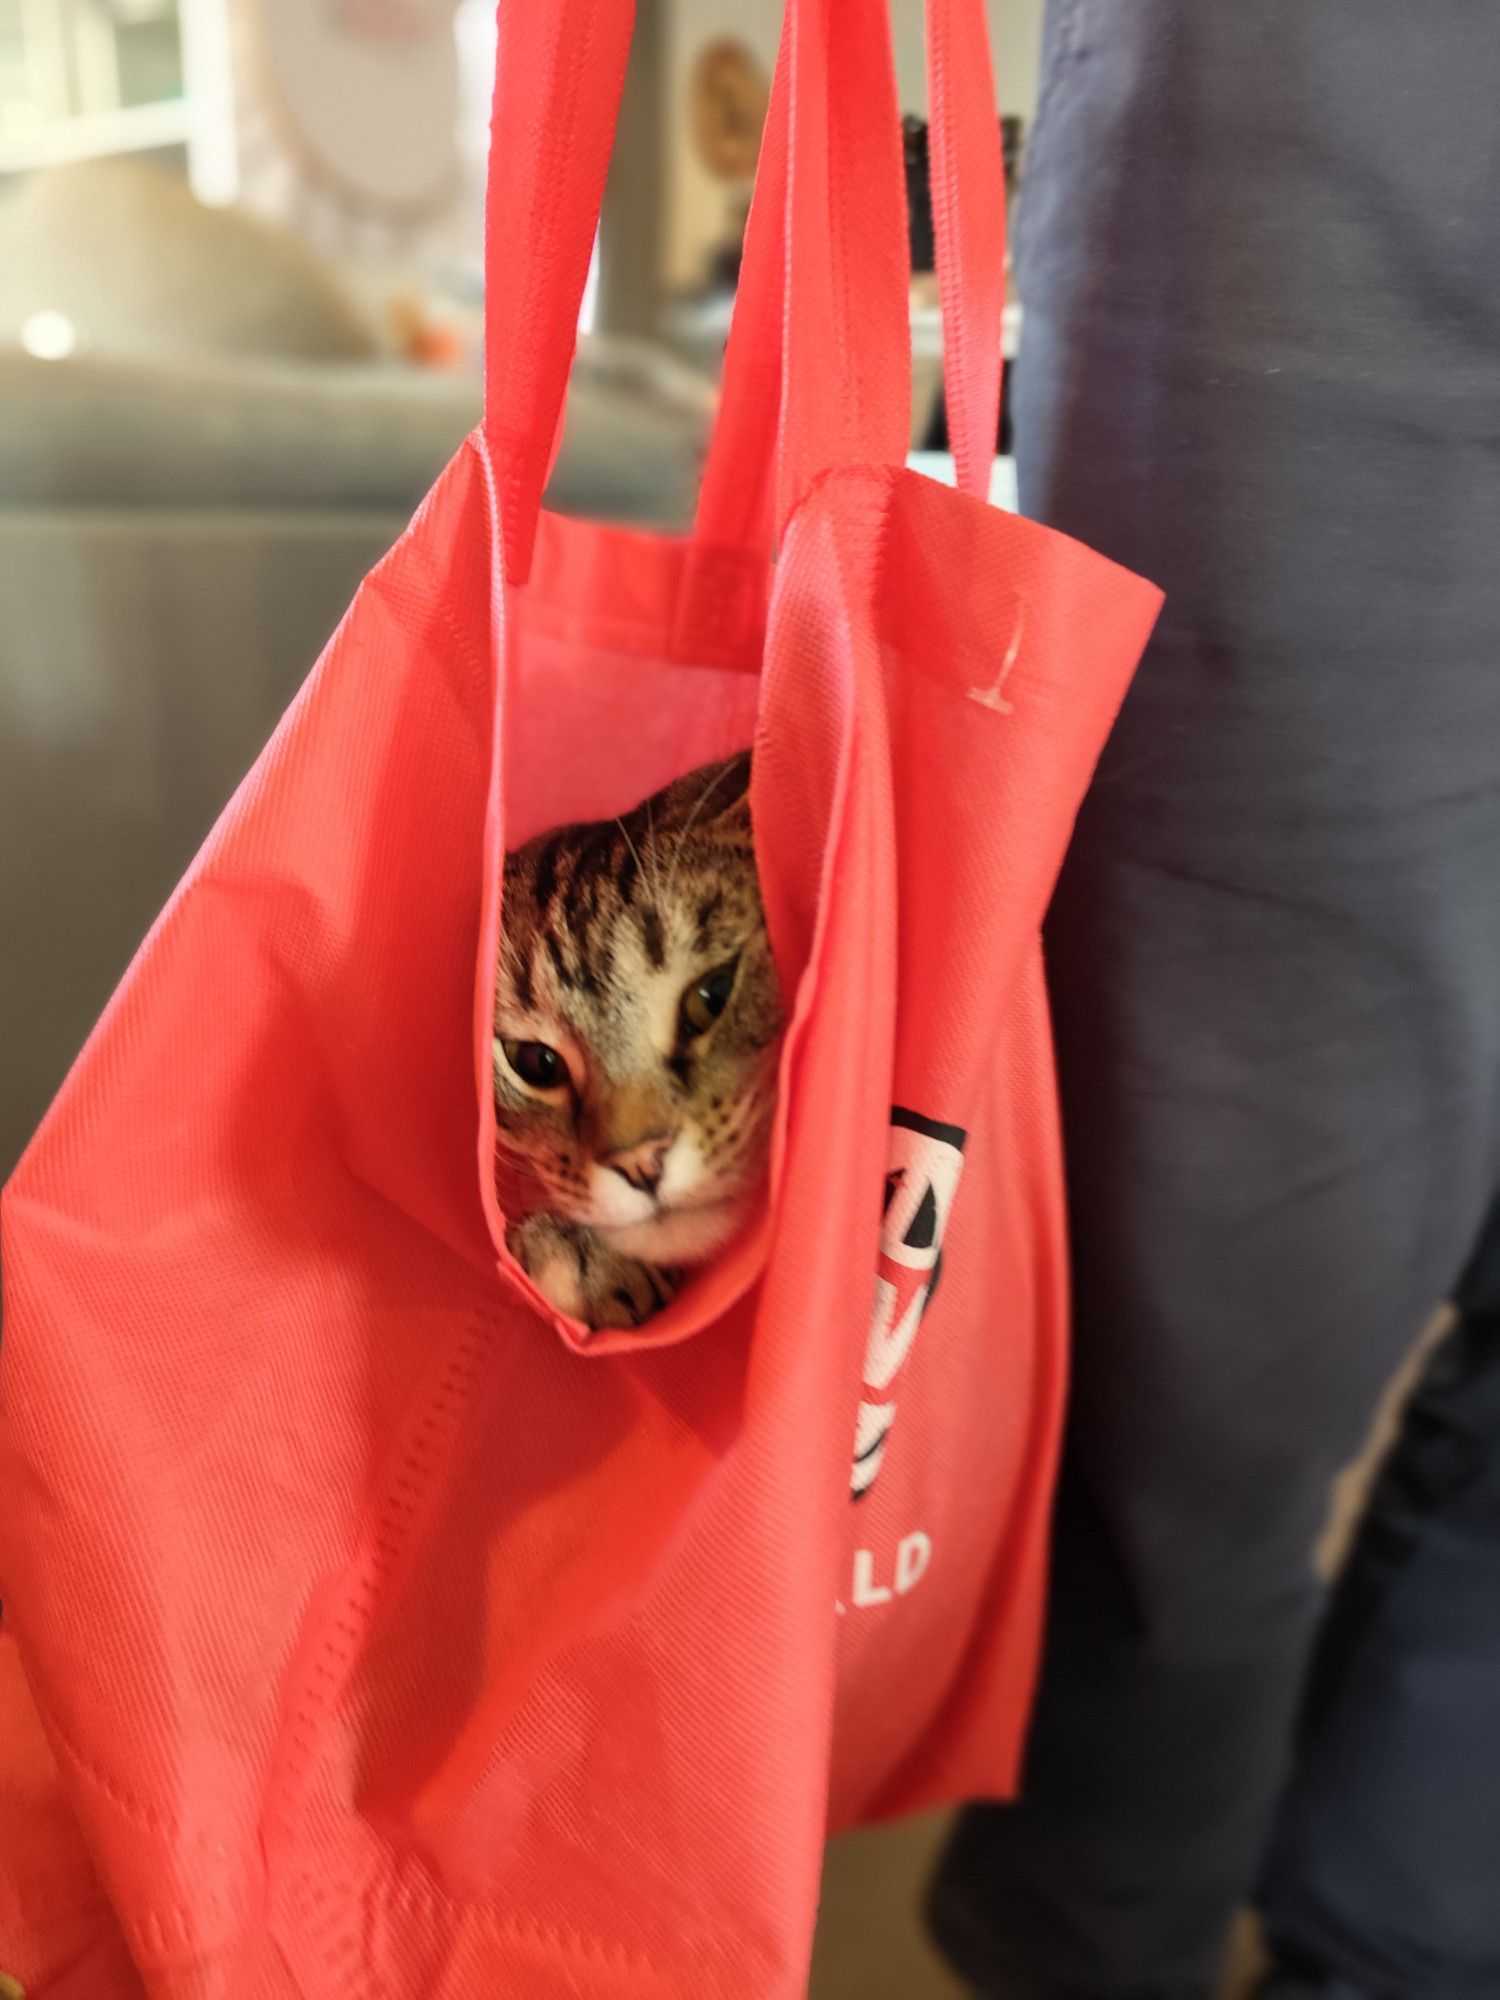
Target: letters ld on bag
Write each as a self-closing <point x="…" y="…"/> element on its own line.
<point x="925" y="1161"/>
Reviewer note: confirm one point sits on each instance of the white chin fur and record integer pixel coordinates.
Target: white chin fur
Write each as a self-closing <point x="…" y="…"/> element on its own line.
<point x="614" y="1204"/>
<point x="678" y="1236"/>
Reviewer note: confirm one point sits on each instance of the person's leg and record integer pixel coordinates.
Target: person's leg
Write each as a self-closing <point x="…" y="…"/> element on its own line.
<point x="1259" y="366"/>
<point x="1383" y="1878"/>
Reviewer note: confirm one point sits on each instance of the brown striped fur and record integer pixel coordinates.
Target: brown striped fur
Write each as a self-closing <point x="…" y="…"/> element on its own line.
<point x="646" y="1146"/>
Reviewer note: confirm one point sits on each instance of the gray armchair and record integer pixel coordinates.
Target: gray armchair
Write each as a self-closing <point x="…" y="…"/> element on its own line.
<point x="177" y="541"/>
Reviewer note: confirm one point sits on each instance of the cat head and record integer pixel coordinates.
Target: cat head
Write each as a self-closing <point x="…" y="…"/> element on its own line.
<point x="638" y="1020"/>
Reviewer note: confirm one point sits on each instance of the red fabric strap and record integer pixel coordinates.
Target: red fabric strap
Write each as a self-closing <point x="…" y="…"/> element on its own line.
<point x="559" y="74"/>
<point x="827" y="384"/>
<point x="969" y="211"/>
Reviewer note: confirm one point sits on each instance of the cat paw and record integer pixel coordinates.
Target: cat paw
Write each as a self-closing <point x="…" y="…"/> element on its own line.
<point x="575" y="1270"/>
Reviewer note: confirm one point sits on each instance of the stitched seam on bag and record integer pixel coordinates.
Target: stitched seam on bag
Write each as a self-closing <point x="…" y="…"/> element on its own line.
<point x="849" y="376"/>
<point x="559" y="135"/>
<point x="125" y="1801"/>
<point x="951" y="237"/>
<point x="160" y="1934"/>
<point x="835" y="835"/>
<point x="41" y="1921"/>
<point x="464" y="645"/>
<point x="384" y="1541"/>
<point x="720" y="1951"/>
<point x="559" y="138"/>
<point x="170" y="1927"/>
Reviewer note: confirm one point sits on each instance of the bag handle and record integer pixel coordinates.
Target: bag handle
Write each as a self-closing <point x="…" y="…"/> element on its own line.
<point x="827" y="381"/>
<point x="736" y="501"/>
<point x="846" y="336"/>
<point x="559" y="74"/>
<point x="845" y="356"/>
<point x="969" y="212"/>
<point x="969" y="224"/>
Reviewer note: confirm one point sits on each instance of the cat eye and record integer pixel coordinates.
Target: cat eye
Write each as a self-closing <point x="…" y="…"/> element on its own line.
<point x="705" y="1000"/>
<point x="535" y="1064"/>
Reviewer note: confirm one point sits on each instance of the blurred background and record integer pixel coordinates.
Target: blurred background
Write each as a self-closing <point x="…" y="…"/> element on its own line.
<point x="241" y="298"/>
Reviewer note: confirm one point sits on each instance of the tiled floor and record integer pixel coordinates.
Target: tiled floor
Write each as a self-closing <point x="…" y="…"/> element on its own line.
<point x="870" y="1940"/>
<point x="871" y="1945"/>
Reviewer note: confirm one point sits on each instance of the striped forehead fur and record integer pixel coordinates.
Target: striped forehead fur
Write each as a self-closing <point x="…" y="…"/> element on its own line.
<point x="609" y="933"/>
<point x="592" y="911"/>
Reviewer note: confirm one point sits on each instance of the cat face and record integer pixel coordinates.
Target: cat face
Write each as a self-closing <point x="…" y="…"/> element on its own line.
<point x="638" y="1020"/>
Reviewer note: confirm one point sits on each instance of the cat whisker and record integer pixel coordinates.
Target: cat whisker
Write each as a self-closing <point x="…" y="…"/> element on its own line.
<point x="640" y="865"/>
<point x="651" y="845"/>
<point x="512" y="1150"/>
<point x="703" y="798"/>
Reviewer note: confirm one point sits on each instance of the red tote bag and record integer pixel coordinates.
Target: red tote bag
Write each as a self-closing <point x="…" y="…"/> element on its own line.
<point x="368" y="1630"/>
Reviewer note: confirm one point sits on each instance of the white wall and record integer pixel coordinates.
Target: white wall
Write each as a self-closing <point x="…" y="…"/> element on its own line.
<point x="1015" y="39"/>
<point x="699" y="206"/>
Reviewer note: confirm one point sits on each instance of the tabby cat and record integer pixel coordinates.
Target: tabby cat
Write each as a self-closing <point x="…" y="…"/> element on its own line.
<point x="637" y="1030"/>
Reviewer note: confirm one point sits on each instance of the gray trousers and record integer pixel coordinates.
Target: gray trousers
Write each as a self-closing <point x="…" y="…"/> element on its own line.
<point x="1383" y="1874"/>
<point x="1260" y="255"/>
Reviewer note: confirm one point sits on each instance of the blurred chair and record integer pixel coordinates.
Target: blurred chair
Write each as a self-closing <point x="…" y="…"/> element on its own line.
<point x="179" y="535"/>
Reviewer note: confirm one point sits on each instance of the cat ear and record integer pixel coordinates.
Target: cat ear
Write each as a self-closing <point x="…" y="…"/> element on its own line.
<point x="706" y="795"/>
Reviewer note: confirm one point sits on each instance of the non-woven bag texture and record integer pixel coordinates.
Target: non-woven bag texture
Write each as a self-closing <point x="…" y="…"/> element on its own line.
<point x="370" y="1631"/>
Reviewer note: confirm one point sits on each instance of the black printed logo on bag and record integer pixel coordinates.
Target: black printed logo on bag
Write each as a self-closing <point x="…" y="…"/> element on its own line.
<point x="926" y="1159"/>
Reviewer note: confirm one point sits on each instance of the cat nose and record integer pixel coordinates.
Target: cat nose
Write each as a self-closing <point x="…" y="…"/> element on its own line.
<point x="642" y="1164"/>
